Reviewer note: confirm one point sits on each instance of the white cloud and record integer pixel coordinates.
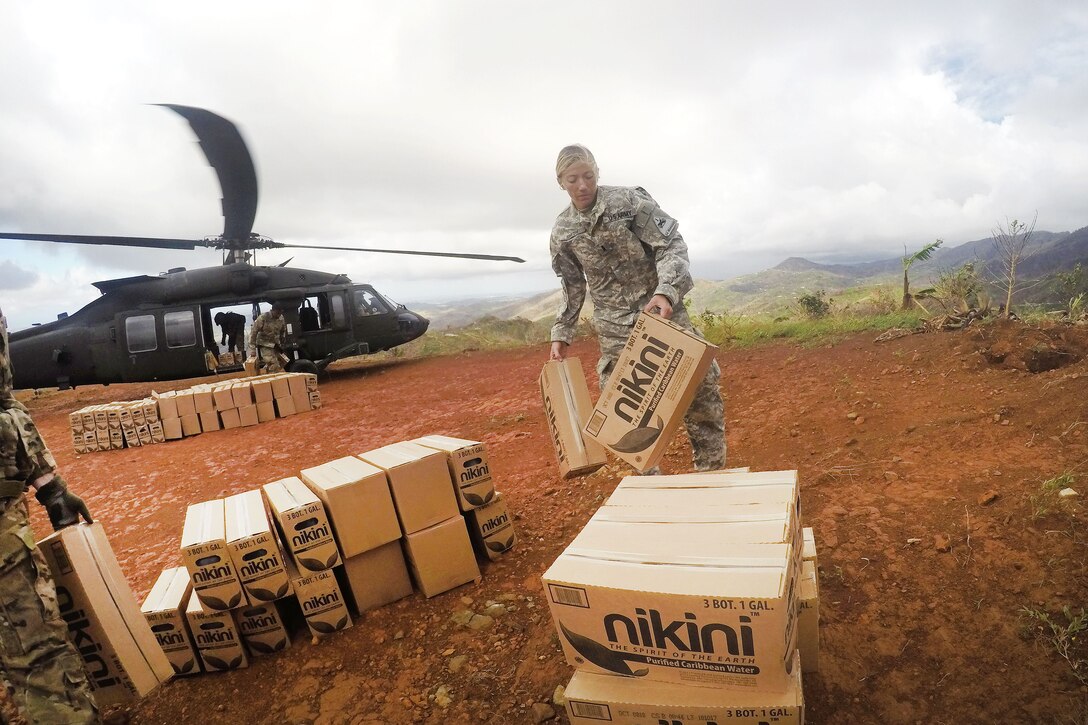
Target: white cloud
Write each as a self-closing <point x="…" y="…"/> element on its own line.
<point x="768" y="131"/>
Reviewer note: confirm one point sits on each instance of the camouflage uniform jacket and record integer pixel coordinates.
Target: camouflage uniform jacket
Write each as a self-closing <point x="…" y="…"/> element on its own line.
<point x="268" y="331"/>
<point x="23" y="454"/>
<point x="627" y="250"/>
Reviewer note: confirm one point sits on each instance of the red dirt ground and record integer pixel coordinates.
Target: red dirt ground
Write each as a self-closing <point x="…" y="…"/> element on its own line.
<point x="894" y="441"/>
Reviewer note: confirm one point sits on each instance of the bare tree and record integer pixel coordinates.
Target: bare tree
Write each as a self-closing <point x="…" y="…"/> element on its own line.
<point x="908" y="259"/>
<point x="1012" y="242"/>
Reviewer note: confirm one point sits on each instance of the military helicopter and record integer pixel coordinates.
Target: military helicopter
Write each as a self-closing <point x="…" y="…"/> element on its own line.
<point x="148" y="328"/>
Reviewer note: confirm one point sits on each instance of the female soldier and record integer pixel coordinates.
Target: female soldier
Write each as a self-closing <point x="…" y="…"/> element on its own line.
<point x="617" y="241"/>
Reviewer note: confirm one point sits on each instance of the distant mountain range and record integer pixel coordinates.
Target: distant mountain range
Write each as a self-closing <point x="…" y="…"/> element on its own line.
<point x="774" y="290"/>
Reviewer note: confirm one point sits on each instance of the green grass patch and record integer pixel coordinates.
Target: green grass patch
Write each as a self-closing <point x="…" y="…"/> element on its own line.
<point x="734" y="331"/>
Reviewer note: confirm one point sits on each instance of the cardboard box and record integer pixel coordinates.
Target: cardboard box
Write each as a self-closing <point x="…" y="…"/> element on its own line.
<point x="209" y="420"/>
<point x="285" y="406"/>
<point x="87" y="415"/>
<point x="357" y="500"/>
<point x="695" y="608"/>
<point x="151" y="411"/>
<point x="250" y="366"/>
<point x="203" y="401"/>
<point x="190" y="424"/>
<point x="230" y="418"/>
<point x="254" y="549"/>
<point x="216" y="636"/>
<point x="301" y="517"/>
<point x="226" y="359"/>
<point x="262" y="391"/>
<point x="164" y="610"/>
<point x="810" y="544"/>
<point x="223" y="398"/>
<point x="315" y="399"/>
<point x="375" y="578"/>
<point x="301" y="401"/>
<point x="469" y="469"/>
<point x="441" y="557"/>
<point x="136" y="414"/>
<point x="120" y="655"/>
<point x="75" y="421"/>
<point x="185" y="403"/>
<point x="420" y="481"/>
<point x="158" y="435"/>
<point x="649" y="391"/>
<point x="247" y="415"/>
<point x="204" y="553"/>
<point x="296" y="382"/>
<point x="263" y="629"/>
<point x="595" y="698"/>
<point x="491" y="528"/>
<point x="281" y="386"/>
<point x="242" y="394"/>
<point x="266" y="410"/>
<point x="567" y="407"/>
<point x="171" y="429"/>
<point x="808" y="619"/>
<point x="311" y="381"/>
<point x="321" y="601"/>
<point x="143" y="434"/>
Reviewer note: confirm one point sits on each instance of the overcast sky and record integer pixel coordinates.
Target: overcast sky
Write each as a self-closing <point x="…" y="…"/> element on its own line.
<point x="833" y="130"/>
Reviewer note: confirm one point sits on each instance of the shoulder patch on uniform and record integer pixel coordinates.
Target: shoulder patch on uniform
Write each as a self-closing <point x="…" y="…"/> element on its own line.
<point x="666" y="224"/>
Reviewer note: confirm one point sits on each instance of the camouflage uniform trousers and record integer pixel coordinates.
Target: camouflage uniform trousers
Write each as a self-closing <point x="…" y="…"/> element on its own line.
<point x="42" y="671"/>
<point x="269" y="359"/>
<point x="705" y="417"/>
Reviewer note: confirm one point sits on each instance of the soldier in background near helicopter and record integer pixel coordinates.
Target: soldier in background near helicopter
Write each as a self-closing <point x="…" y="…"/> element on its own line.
<point x="233" y="326"/>
<point x="42" y="672"/>
<point x="617" y="241"/>
<point x="267" y="337"/>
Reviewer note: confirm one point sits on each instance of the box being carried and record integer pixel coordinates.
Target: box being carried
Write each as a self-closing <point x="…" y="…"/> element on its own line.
<point x="593" y="699"/>
<point x="649" y="391"/>
<point x="567" y="407"/>
<point x="695" y="608"/>
<point x="468" y="468"/>
<point x="122" y="660"/>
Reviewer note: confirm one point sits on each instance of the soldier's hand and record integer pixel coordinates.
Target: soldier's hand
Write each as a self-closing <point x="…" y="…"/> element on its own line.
<point x="559" y="350"/>
<point x="63" y="507"/>
<point x="660" y="305"/>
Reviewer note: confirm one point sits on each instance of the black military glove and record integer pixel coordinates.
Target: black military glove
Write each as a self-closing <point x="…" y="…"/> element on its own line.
<point x="63" y="506"/>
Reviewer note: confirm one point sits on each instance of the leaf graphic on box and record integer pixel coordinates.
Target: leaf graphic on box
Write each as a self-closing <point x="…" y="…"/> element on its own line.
<point x="499" y="546"/>
<point x="235" y="662"/>
<point x="323" y="627"/>
<point x="282" y="590"/>
<point x="342" y="623"/>
<point x="234" y="600"/>
<point x="312" y="564"/>
<point x="213" y="602"/>
<point x="598" y="654"/>
<point x="332" y="559"/>
<point x="280" y="645"/>
<point x="187" y="667"/>
<point x="638" y="439"/>
<point x="264" y="595"/>
<point x="216" y="662"/>
<point x="490" y="495"/>
<point x="474" y="499"/>
<point x="261" y="647"/>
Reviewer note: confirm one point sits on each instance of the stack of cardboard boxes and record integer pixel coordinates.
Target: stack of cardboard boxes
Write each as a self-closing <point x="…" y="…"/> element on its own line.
<point x="335" y="541"/>
<point x="691" y="587"/>
<point x="199" y="409"/>
<point x="116" y="425"/>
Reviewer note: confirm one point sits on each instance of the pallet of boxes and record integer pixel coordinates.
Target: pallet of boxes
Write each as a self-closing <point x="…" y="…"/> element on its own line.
<point x="107" y="426"/>
<point x="322" y="547"/>
<point x="683" y="598"/>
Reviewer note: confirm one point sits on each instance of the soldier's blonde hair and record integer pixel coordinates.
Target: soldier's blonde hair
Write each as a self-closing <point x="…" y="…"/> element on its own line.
<point x="571" y="155"/>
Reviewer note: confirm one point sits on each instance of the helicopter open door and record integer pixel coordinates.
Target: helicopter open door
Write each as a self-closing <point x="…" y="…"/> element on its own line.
<point x="162" y="344"/>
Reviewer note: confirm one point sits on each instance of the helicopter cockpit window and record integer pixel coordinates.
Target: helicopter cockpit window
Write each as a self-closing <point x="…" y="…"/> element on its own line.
<point x="140" y="333"/>
<point x="369" y="303"/>
<point x="180" y="328"/>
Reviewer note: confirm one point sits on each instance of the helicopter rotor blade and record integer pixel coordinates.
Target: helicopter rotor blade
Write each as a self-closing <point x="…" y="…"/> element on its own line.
<point x="488" y="257"/>
<point x="227" y="153"/>
<point x="153" y="242"/>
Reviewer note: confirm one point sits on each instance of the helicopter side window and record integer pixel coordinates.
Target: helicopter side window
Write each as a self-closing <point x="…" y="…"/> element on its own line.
<point x="368" y="303"/>
<point x="180" y="328"/>
<point x="339" y="317"/>
<point x="140" y="333"/>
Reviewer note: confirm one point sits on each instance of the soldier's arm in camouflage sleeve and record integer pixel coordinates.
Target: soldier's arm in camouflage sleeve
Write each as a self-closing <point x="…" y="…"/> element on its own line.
<point x="258" y="325"/>
<point x="661" y="233"/>
<point x="573" y="279"/>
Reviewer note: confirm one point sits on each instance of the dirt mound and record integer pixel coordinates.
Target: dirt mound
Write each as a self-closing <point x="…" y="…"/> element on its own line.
<point x="1012" y="344"/>
<point x="922" y="466"/>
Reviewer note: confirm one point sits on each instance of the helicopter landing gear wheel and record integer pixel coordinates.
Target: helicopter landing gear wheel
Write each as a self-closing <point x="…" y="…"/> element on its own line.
<point x="302" y="366"/>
